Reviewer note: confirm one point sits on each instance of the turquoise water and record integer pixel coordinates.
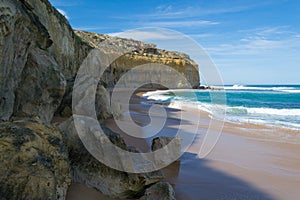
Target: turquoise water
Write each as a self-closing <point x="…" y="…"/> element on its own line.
<point x="276" y="105"/>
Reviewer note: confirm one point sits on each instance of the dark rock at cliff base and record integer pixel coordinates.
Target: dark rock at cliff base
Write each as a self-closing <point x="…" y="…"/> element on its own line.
<point x="92" y="173"/>
<point x="203" y="87"/>
<point x="169" y="147"/>
<point x="161" y="191"/>
<point x="33" y="161"/>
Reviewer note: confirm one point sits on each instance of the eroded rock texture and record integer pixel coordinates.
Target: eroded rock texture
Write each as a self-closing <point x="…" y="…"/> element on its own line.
<point x="161" y="191"/>
<point x="40" y="56"/>
<point x="38" y="53"/>
<point x="33" y="161"/>
<point x="131" y="53"/>
<point x="92" y="173"/>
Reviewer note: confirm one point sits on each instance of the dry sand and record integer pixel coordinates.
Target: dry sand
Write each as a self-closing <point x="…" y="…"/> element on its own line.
<point x="248" y="161"/>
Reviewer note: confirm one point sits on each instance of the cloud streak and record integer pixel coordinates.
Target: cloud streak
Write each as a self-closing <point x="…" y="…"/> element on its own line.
<point x="64" y="13"/>
<point x="65" y="3"/>
<point x="147" y="35"/>
<point x="264" y="41"/>
<point x="181" y="23"/>
<point x="169" y="11"/>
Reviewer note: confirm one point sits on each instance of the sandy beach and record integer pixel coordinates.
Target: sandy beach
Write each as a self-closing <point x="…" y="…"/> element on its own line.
<point x="248" y="161"/>
<point x="99" y="98"/>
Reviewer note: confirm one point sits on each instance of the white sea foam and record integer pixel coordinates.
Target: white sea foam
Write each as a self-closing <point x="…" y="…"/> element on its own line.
<point x="263" y="111"/>
<point x="280" y="89"/>
<point x="291" y="91"/>
<point x="152" y="94"/>
<point x="159" y="97"/>
<point x="264" y="116"/>
<point x="271" y="111"/>
<point x="267" y="116"/>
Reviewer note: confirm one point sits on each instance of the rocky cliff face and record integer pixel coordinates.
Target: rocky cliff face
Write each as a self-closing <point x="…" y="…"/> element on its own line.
<point x="140" y="53"/>
<point x="34" y="161"/>
<point x="39" y="57"/>
<point x="90" y="172"/>
<point x="41" y="53"/>
<point x="38" y="53"/>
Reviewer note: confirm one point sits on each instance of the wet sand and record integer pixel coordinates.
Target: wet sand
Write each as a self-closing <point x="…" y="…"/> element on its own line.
<point x="78" y="191"/>
<point x="248" y="161"/>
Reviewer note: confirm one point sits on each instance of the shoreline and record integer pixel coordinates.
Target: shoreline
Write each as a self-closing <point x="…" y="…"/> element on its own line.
<point x="239" y="123"/>
<point x="233" y="111"/>
<point x="264" y="159"/>
<point x="248" y="162"/>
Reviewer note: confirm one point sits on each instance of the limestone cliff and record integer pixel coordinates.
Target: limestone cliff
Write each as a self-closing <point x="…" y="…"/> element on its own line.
<point x="140" y="53"/>
<point x="37" y="42"/>
<point x="40" y="55"/>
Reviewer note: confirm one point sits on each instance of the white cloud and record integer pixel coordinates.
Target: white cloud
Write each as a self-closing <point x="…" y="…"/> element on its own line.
<point x="65" y="3"/>
<point x="271" y="31"/>
<point x="185" y="23"/>
<point x="148" y="34"/>
<point x="63" y="13"/>
<point x="164" y="8"/>
<point x="174" y="11"/>
<point x="87" y="28"/>
<point x="262" y="41"/>
<point x="268" y="31"/>
<point x="203" y="35"/>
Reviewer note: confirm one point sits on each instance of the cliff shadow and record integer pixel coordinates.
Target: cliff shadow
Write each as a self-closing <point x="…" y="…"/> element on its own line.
<point x="195" y="179"/>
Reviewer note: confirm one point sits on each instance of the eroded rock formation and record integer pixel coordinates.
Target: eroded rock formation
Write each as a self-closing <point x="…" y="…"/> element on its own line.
<point x="34" y="162"/>
<point x="92" y="173"/>
<point x="40" y="55"/>
<point x="135" y="53"/>
<point x="161" y="191"/>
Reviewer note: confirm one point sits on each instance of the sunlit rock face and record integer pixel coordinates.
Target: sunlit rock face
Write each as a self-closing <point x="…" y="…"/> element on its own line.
<point x="130" y="53"/>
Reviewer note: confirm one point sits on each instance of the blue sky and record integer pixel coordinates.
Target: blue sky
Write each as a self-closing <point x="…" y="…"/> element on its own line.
<point x="250" y="41"/>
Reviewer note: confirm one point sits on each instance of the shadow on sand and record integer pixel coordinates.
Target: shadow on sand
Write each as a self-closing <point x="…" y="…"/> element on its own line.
<point x="193" y="179"/>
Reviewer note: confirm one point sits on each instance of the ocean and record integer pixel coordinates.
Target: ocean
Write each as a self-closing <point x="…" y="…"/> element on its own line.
<point x="271" y="105"/>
